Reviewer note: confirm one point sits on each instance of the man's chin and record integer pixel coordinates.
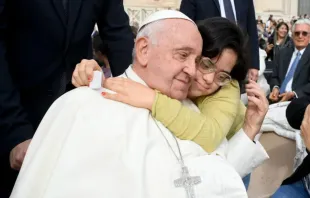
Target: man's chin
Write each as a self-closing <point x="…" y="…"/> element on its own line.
<point x="179" y="95"/>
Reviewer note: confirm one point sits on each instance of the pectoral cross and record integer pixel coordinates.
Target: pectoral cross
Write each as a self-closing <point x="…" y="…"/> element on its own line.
<point x="187" y="182"/>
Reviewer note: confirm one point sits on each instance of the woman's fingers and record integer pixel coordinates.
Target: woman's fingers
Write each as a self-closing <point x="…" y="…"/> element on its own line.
<point x="114" y="96"/>
<point x="255" y="100"/>
<point x="257" y="96"/>
<point x="255" y="92"/>
<point x="115" y="80"/>
<point x="252" y="84"/>
<point x="259" y="103"/>
<point x="253" y="88"/>
<point x="119" y="85"/>
<point x="114" y="86"/>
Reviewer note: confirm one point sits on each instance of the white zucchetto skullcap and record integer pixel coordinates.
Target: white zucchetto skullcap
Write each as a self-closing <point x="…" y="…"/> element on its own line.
<point x="164" y="14"/>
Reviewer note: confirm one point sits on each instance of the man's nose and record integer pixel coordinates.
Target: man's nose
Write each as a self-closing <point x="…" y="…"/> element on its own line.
<point x="209" y="78"/>
<point x="190" y="69"/>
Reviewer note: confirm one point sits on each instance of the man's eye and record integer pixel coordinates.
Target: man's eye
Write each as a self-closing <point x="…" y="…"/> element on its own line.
<point x="183" y="55"/>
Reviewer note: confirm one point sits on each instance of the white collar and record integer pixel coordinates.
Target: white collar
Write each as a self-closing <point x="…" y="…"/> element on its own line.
<point x="130" y="73"/>
<point x="301" y="51"/>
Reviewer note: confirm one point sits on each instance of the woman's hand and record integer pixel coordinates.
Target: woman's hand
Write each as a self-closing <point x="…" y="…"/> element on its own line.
<point x="256" y="110"/>
<point x="129" y="92"/>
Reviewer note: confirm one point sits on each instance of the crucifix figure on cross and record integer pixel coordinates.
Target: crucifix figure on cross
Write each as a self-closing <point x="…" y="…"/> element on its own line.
<point x="187" y="182"/>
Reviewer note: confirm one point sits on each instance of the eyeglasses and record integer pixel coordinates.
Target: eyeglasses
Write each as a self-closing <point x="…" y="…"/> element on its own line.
<point x="303" y="33"/>
<point x="206" y="66"/>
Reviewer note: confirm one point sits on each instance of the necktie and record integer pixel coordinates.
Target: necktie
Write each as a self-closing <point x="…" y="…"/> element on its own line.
<point x="229" y="10"/>
<point x="290" y="74"/>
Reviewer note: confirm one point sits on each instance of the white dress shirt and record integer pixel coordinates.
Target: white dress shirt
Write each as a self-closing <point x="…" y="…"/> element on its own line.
<point x="289" y="84"/>
<point x="223" y="13"/>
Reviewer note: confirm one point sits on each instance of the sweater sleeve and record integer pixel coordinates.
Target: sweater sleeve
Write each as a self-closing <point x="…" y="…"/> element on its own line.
<point x="208" y="128"/>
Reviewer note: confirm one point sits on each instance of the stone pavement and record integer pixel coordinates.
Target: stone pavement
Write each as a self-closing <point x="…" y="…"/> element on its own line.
<point x="266" y="179"/>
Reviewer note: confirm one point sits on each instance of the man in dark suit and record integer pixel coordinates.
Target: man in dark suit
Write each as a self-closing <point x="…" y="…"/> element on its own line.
<point x="240" y="11"/>
<point x="41" y="41"/>
<point x="291" y="72"/>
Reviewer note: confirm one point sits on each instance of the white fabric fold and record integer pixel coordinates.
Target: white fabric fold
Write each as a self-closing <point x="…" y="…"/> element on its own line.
<point x="254" y="154"/>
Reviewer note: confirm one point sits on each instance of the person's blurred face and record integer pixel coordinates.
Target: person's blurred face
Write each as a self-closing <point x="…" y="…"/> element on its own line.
<point x="208" y="83"/>
<point x="171" y="62"/>
<point x="282" y="31"/>
<point x="301" y="36"/>
<point x="260" y="26"/>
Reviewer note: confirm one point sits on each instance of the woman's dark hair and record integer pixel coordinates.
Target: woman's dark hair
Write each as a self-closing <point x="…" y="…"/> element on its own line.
<point x="273" y="36"/>
<point x="270" y="17"/>
<point x="219" y="34"/>
<point x="280" y="24"/>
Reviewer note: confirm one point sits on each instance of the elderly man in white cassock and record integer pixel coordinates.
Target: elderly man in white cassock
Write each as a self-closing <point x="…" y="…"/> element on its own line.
<point x="88" y="146"/>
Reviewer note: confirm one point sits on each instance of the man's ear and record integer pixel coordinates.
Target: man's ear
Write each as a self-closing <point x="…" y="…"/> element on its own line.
<point x="142" y="50"/>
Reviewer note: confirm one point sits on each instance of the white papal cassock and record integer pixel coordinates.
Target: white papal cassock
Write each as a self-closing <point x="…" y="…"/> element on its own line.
<point x="90" y="147"/>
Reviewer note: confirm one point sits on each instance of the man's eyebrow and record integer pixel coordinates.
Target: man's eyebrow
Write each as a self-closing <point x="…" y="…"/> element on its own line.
<point x="184" y="48"/>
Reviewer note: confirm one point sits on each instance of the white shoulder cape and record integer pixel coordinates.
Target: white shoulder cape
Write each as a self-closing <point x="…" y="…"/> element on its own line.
<point x="87" y="146"/>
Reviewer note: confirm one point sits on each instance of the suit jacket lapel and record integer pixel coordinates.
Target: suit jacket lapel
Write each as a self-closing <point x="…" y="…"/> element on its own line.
<point x="303" y="61"/>
<point x="217" y="5"/>
<point x="60" y="11"/>
<point x="74" y="9"/>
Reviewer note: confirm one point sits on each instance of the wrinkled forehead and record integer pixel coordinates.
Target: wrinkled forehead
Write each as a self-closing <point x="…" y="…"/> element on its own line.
<point x="181" y="33"/>
<point x="302" y="27"/>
